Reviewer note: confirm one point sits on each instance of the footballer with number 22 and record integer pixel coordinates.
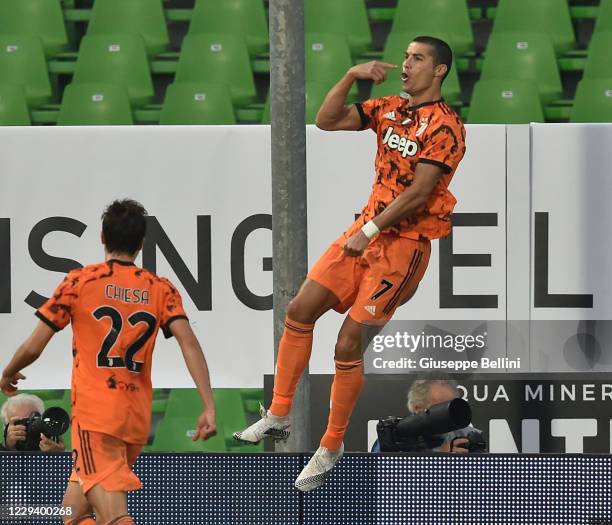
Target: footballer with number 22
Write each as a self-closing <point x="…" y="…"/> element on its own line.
<point x="116" y="310"/>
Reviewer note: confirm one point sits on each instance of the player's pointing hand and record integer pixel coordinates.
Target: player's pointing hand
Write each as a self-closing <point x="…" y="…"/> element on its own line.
<point x="374" y="70"/>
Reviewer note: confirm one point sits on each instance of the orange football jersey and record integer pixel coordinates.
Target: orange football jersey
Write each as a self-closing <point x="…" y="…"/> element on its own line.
<point x="116" y="310"/>
<point x="428" y="133"/>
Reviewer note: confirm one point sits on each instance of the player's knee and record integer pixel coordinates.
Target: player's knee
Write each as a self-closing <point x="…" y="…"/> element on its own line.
<point x="348" y="348"/>
<point x="298" y="310"/>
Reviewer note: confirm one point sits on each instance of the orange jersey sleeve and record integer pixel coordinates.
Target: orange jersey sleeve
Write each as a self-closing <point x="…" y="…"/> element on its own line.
<point x="369" y="111"/>
<point x="57" y="311"/>
<point x="443" y="144"/>
<point x="172" y="306"/>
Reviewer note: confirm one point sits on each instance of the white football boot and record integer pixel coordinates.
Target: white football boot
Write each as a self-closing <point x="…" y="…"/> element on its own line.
<point x="316" y="472"/>
<point x="275" y="427"/>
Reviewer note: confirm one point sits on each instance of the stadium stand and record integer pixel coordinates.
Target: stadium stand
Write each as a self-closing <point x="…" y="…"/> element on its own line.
<point x="41" y="50"/>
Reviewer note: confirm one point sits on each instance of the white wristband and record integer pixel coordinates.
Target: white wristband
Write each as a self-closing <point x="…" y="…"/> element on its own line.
<point x="370" y="229"/>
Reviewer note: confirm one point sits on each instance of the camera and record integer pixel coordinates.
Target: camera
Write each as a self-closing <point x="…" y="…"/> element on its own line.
<point x="52" y="423"/>
<point x="476" y="443"/>
<point x="425" y="431"/>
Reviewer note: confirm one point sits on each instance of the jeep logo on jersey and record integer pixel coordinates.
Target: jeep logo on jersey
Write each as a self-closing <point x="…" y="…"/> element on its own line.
<point x="406" y="147"/>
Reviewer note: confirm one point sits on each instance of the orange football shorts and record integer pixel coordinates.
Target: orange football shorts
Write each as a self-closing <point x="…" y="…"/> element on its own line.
<point x="101" y="459"/>
<point x="374" y="285"/>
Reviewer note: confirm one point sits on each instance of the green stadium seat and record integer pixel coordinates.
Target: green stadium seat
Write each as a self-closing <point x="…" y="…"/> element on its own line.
<point x="197" y="103"/>
<point x="115" y="59"/>
<point x="598" y="63"/>
<point x="41" y="18"/>
<point x="395" y="49"/>
<point x="315" y="94"/>
<point x="505" y="102"/>
<point x="252" y="397"/>
<point x="348" y="18"/>
<point x="593" y="101"/>
<point x="436" y="16"/>
<point x="246" y="18"/>
<point x="328" y="58"/>
<point x="230" y="411"/>
<point x="539" y="16"/>
<point x="604" y="16"/>
<point x="136" y="17"/>
<point x="184" y="402"/>
<point x="218" y="58"/>
<point x="524" y="56"/>
<point x="22" y="62"/>
<point x="175" y="434"/>
<point x="95" y="105"/>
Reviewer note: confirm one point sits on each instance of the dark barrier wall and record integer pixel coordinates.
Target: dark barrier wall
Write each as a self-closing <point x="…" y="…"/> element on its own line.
<point x="239" y="489"/>
<point x="550" y="413"/>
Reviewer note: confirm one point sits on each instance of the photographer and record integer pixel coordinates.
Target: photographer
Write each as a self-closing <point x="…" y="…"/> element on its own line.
<point x="425" y="393"/>
<point x="13" y="412"/>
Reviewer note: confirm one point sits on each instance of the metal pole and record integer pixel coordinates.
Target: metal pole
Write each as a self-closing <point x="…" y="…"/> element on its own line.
<point x="289" y="235"/>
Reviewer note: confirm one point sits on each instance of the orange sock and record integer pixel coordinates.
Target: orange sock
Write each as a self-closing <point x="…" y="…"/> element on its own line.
<point x="345" y="391"/>
<point x="293" y="356"/>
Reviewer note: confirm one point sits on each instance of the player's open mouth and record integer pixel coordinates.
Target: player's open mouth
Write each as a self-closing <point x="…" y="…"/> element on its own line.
<point x="405" y="77"/>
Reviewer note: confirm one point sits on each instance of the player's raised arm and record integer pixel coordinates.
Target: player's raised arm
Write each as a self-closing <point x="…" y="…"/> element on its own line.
<point x="28" y="352"/>
<point x="198" y="368"/>
<point x="334" y="114"/>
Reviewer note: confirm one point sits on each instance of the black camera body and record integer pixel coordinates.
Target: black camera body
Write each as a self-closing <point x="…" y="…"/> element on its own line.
<point x="52" y="423"/>
<point x="425" y="431"/>
<point x="476" y="443"/>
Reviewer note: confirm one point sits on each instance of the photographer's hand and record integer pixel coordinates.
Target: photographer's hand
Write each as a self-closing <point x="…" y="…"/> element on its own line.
<point x="456" y="446"/>
<point x="14" y="433"/>
<point x="48" y="445"/>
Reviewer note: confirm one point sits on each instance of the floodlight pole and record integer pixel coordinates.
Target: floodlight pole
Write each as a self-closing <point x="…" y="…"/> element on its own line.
<point x="289" y="225"/>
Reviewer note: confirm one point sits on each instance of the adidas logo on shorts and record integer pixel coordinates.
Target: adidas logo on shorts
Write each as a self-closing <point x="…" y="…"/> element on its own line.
<point x="371" y="309"/>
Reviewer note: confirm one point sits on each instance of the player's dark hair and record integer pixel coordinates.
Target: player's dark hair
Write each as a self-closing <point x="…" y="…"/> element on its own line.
<point x="124" y="226"/>
<point x="442" y="53"/>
